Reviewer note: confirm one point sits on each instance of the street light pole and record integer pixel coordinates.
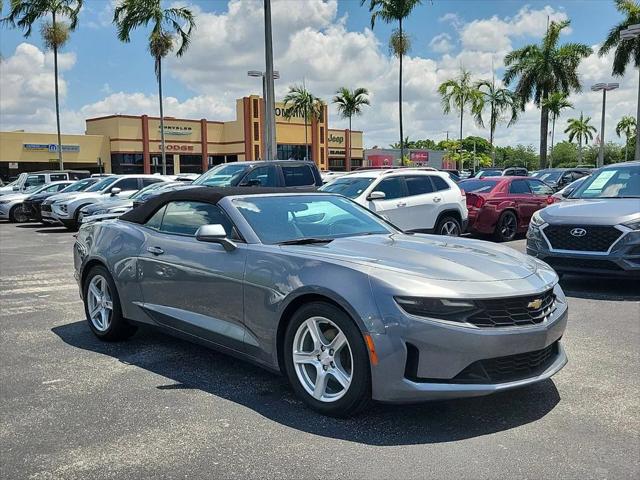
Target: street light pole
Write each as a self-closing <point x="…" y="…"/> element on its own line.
<point x="265" y="126"/>
<point x="596" y="88"/>
<point x="269" y="117"/>
<point x="632" y="32"/>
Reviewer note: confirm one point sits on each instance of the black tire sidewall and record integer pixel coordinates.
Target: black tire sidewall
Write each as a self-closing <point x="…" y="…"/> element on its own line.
<point x="446" y="219"/>
<point x="359" y="392"/>
<point x="119" y="327"/>
<point x="498" y="233"/>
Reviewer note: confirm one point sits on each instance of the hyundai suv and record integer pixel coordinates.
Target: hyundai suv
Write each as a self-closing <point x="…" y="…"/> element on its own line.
<point x="596" y="230"/>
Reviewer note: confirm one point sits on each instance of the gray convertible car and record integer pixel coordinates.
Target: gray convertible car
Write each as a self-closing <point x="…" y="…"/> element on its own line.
<point x="321" y="289"/>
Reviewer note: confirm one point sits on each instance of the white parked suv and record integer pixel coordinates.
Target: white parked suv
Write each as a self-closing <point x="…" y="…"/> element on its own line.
<point x="413" y="199"/>
<point x="67" y="209"/>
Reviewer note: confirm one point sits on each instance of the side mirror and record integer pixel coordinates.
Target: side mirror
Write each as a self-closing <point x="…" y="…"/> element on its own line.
<point x="567" y="192"/>
<point x="215" y="234"/>
<point x="377" y="195"/>
<point x="115" y="191"/>
<point x="251" y="183"/>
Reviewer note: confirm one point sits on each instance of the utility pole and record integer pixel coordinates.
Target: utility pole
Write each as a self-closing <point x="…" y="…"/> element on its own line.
<point x="269" y="117"/>
<point x="604" y="87"/>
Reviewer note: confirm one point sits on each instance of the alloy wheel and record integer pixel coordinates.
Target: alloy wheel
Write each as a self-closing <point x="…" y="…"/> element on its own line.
<point x="322" y="359"/>
<point x="100" y="303"/>
<point x="20" y="214"/>
<point x="450" y="228"/>
<point x="508" y="227"/>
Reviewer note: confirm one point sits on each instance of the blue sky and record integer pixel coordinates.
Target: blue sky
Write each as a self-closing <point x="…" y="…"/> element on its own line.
<point x="211" y="75"/>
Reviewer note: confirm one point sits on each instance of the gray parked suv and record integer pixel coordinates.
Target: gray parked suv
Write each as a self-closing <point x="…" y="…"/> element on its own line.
<point x="597" y="230"/>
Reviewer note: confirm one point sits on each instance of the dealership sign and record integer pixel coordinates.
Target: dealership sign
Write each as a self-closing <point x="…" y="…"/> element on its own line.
<point x="421" y="156"/>
<point x="176" y="148"/>
<point x="49" y="147"/>
<point x="177" y="130"/>
<point x="335" y="139"/>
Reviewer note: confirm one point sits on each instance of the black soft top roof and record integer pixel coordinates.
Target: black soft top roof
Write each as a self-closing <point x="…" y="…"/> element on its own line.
<point x="143" y="212"/>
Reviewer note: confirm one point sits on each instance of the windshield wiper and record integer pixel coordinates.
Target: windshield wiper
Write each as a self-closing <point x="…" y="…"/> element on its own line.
<point x="306" y="241"/>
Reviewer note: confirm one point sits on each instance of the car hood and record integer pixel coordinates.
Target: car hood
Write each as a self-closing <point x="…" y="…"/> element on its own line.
<point x="15" y="196"/>
<point x="72" y="197"/>
<point x="603" y="211"/>
<point x="430" y="256"/>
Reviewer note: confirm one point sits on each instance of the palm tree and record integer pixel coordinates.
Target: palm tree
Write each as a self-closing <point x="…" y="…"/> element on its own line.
<point x="555" y="103"/>
<point x="459" y="93"/>
<point x="349" y="104"/>
<point x="166" y="24"/>
<point x="626" y="50"/>
<point x="501" y="101"/>
<point x="543" y="69"/>
<point x="580" y="129"/>
<point x="626" y="126"/>
<point x="55" y="33"/>
<point x="300" y="102"/>
<point x="391" y="11"/>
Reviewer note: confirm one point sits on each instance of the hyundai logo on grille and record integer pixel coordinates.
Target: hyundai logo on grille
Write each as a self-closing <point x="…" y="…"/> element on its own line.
<point x="578" y="232"/>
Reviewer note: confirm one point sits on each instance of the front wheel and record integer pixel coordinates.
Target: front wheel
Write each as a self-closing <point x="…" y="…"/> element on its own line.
<point x="18" y="214"/>
<point x="326" y="360"/>
<point x="449" y="226"/>
<point x="102" y="307"/>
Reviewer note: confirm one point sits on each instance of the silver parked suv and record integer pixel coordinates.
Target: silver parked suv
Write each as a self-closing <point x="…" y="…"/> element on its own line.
<point x="597" y="230"/>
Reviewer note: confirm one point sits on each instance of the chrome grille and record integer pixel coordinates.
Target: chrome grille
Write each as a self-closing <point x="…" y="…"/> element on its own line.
<point x="596" y="238"/>
<point x="516" y="311"/>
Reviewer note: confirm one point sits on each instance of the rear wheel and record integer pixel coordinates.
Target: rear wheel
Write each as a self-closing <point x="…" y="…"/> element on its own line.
<point x="506" y="228"/>
<point x="449" y="226"/>
<point x="18" y="214"/>
<point x="326" y="360"/>
<point x="102" y="307"/>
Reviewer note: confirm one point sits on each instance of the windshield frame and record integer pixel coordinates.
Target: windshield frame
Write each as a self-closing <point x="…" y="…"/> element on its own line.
<point x="252" y="235"/>
<point x="346" y="179"/>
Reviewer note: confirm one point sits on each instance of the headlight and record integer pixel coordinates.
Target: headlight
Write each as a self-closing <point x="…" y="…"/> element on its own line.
<point x="62" y="207"/>
<point x="2" y="202"/>
<point x="441" y="308"/>
<point x="536" y="220"/>
<point x="635" y="225"/>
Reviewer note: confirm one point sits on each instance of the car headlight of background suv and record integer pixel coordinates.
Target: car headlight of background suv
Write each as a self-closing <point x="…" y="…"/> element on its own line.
<point x="536" y="220"/>
<point x="4" y="202"/>
<point x="62" y="206"/>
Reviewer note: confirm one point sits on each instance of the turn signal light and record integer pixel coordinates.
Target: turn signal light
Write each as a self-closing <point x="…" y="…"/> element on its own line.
<point x="372" y="349"/>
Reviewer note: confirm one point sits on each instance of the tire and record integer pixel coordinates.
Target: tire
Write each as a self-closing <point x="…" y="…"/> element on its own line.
<point x="351" y="361"/>
<point x="506" y="228"/>
<point x="448" y="225"/>
<point x="16" y="215"/>
<point x="116" y="326"/>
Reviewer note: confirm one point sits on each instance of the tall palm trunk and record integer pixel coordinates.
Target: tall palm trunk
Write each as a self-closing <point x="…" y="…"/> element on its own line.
<point x="492" y="131"/>
<point x="461" y="117"/>
<point x="579" y="149"/>
<point x="55" y="73"/>
<point x="400" y="92"/>
<point x="348" y="166"/>
<point x="544" y="128"/>
<point x="553" y="131"/>
<point x="626" y="147"/>
<point x="162" y="149"/>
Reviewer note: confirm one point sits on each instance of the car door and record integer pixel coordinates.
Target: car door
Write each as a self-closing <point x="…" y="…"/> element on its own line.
<point x="128" y="186"/>
<point x="298" y="176"/>
<point x="423" y="203"/>
<point x="392" y="206"/>
<point x="263" y="176"/>
<point x="188" y="285"/>
<point x="526" y="203"/>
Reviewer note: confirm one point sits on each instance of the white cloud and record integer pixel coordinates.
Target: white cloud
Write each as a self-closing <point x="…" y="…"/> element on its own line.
<point x="312" y="43"/>
<point x="441" y="43"/>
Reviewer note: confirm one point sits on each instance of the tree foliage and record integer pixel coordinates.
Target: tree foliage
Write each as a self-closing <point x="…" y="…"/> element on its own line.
<point x="627" y="51"/>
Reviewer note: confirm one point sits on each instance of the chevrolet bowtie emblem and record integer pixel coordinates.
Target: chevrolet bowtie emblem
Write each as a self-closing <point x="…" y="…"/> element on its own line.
<point x="535" y="304"/>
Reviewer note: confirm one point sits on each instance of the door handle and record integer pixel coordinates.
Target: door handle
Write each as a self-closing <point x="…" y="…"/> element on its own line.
<point x="155" y="250"/>
<point x="437" y="199"/>
<point x="401" y="204"/>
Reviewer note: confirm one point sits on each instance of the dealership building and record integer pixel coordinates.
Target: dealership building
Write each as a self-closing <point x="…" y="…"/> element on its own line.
<point x="131" y="144"/>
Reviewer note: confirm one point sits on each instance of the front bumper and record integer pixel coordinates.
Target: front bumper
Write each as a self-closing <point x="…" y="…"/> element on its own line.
<point x="422" y="359"/>
<point x="4" y="211"/>
<point x="621" y="260"/>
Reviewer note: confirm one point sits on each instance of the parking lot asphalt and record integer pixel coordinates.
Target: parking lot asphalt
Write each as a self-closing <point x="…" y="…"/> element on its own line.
<point x="73" y="407"/>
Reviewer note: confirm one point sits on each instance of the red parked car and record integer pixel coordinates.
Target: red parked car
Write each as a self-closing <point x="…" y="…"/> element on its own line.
<point x="503" y="206"/>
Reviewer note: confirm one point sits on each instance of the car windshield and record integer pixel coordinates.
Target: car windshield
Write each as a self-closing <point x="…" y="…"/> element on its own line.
<point x="222" y="175"/>
<point x="489" y="173"/>
<point x="612" y="182"/>
<point x="102" y="184"/>
<point x="349" y="187"/>
<point x="478" y="186"/>
<point x="289" y="218"/>
<point x="552" y="176"/>
<point x="36" y="188"/>
<point x="147" y="191"/>
<point x="79" y="186"/>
